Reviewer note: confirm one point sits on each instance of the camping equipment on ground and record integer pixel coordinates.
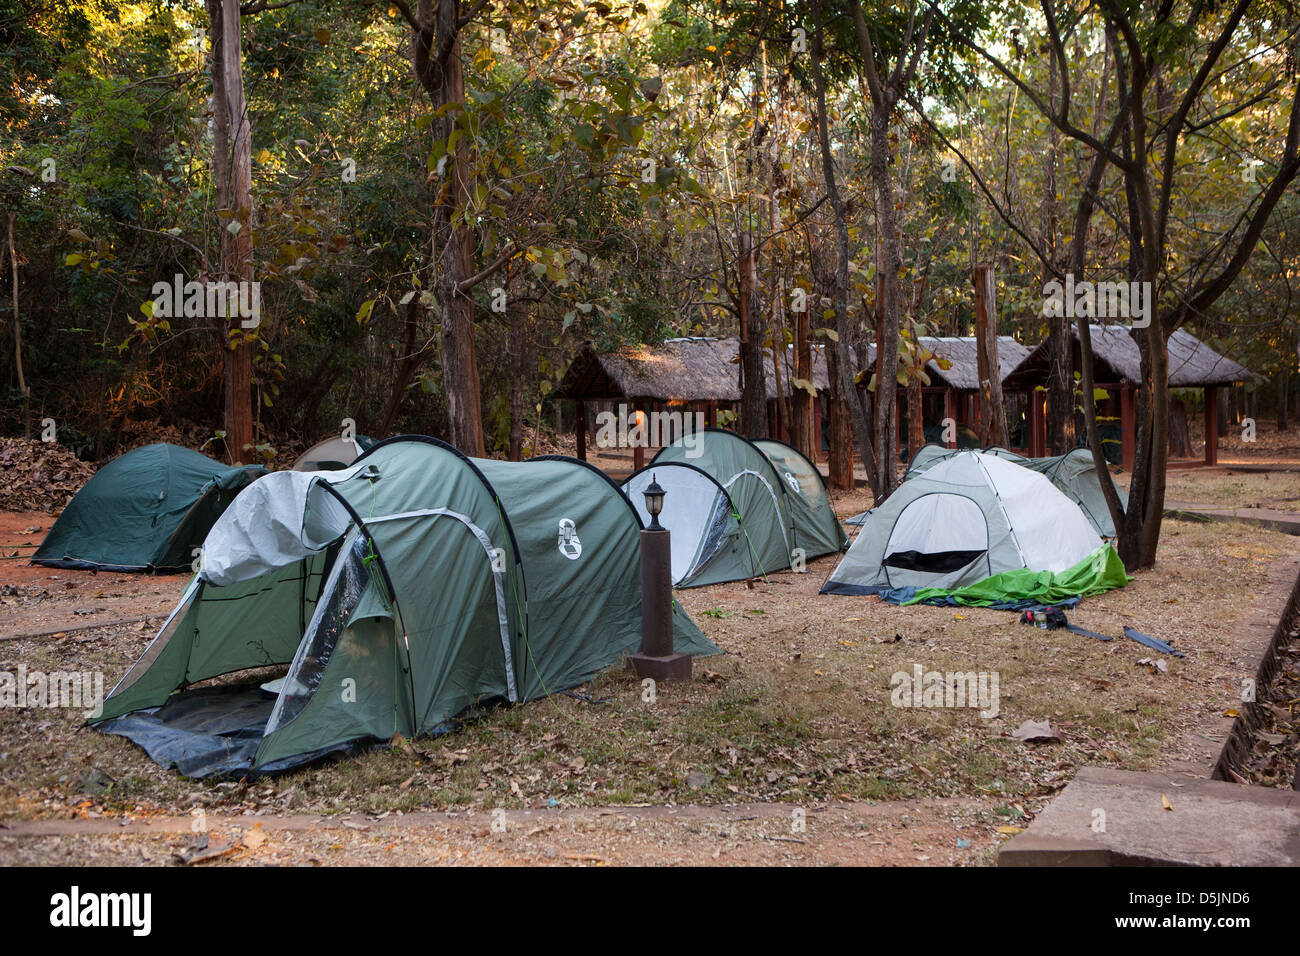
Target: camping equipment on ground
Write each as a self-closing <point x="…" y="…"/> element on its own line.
<point x="411" y="588"/>
<point x="1051" y="618"/>
<point x="332" y="453"/>
<point x="146" y="510"/>
<point x="740" y="508"/>
<point x="980" y="530"/>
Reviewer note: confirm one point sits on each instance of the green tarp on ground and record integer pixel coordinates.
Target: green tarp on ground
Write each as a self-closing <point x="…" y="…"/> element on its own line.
<point x="146" y="510"/>
<point x="1100" y="571"/>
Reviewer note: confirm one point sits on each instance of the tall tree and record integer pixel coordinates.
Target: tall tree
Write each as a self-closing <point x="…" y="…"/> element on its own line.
<point x="232" y="172"/>
<point x="436" y="27"/>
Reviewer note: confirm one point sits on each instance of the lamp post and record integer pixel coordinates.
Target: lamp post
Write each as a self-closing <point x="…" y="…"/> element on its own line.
<point x="656" y="659"/>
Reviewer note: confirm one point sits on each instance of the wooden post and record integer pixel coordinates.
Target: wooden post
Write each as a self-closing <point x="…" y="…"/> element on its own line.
<point x="580" y="427"/>
<point x="638" y="451"/>
<point x="1037" y="425"/>
<point x="1211" y="425"/>
<point x="1126" y="429"/>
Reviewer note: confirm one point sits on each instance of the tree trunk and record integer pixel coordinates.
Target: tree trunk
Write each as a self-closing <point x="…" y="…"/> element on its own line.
<point x="840" y="463"/>
<point x="801" y="400"/>
<point x="1060" y="377"/>
<point x="915" y="426"/>
<point x="23" y="389"/>
<point x="888" y="263"/>
<point x="753" y="380"/>
<point x="518" y="359"/>
<point x="435" y="55"/>
<point x="232" y="173"/>
<point x="854" y="396"/>
<point x="993" y="416"/>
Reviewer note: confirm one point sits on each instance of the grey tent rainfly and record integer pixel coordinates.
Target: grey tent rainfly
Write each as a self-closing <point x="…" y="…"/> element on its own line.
<point x="146" y="510"/>
<point x="1074" y="474"/>
<point x="737" y="508"/>
<point x="402" y="592"/>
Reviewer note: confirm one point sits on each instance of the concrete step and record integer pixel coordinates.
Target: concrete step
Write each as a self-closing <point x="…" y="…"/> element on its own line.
<point x="1212" y="823"/>
<point x="1288" y="522"/>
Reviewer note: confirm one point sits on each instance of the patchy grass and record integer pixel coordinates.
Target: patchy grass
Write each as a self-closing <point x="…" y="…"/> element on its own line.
<point x="798" y="709"/>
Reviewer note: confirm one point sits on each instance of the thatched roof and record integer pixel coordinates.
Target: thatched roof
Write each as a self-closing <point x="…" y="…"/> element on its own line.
<point x="706" y="369"/>
<point x="964" y="373"/>
<point x="1192" y="363"/>
<point x="694" y="369"/>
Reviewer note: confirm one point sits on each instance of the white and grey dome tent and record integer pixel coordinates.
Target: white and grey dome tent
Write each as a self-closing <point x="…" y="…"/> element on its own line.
<point x="965" y="519"/>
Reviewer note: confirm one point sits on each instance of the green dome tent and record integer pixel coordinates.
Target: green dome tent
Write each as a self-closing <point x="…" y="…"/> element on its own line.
<point x="403" y="591"/>
<point x="146" y="510"/>
<point x="737" y="508"/>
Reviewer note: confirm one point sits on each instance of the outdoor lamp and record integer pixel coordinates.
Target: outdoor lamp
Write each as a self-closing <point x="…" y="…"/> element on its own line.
<point x="654" y="503"/>
<point x="657" y="659"/>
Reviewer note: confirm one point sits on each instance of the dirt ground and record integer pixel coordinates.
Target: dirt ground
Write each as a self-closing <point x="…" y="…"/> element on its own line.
<point x="38" y="600"/>
<point x="795" y="718"/>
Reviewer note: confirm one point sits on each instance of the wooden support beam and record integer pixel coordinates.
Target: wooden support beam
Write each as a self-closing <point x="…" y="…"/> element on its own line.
<point x="1127" y="430"/>
<point x="1211" y="424"/>
<point x="1037" y="425"/>
<point x="580" y="427"/>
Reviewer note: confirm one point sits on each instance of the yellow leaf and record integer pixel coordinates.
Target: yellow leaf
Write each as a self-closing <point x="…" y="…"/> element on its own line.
<point x="1011" y="831"/>
<point x="1231" y="713"/>
<point x="1164" y="802"/>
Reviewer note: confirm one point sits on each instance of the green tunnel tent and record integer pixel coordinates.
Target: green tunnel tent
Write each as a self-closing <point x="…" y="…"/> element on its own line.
<point x="402" y="592"/>
<point x="146" y="510"/>
<point x="736" y="510"/>
<point x="816" y="529"/>
<point x="1074" y="474"/>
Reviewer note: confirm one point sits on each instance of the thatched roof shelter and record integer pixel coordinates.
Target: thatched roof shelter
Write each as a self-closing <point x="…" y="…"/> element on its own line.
<point x="960" y="351"/>
<point x="1117" y="367"/>
<point x="1192" y="363"/>
<point x="708" y="370"/>
<point x="679" y="370"/>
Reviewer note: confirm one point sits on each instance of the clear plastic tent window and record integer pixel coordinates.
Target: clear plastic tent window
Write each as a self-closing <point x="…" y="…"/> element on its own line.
<point x="347" y="584"/>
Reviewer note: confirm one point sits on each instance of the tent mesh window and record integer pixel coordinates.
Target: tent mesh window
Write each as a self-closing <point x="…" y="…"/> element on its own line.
<point x="348" y="583"/>
<point x="715" y="534"/>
